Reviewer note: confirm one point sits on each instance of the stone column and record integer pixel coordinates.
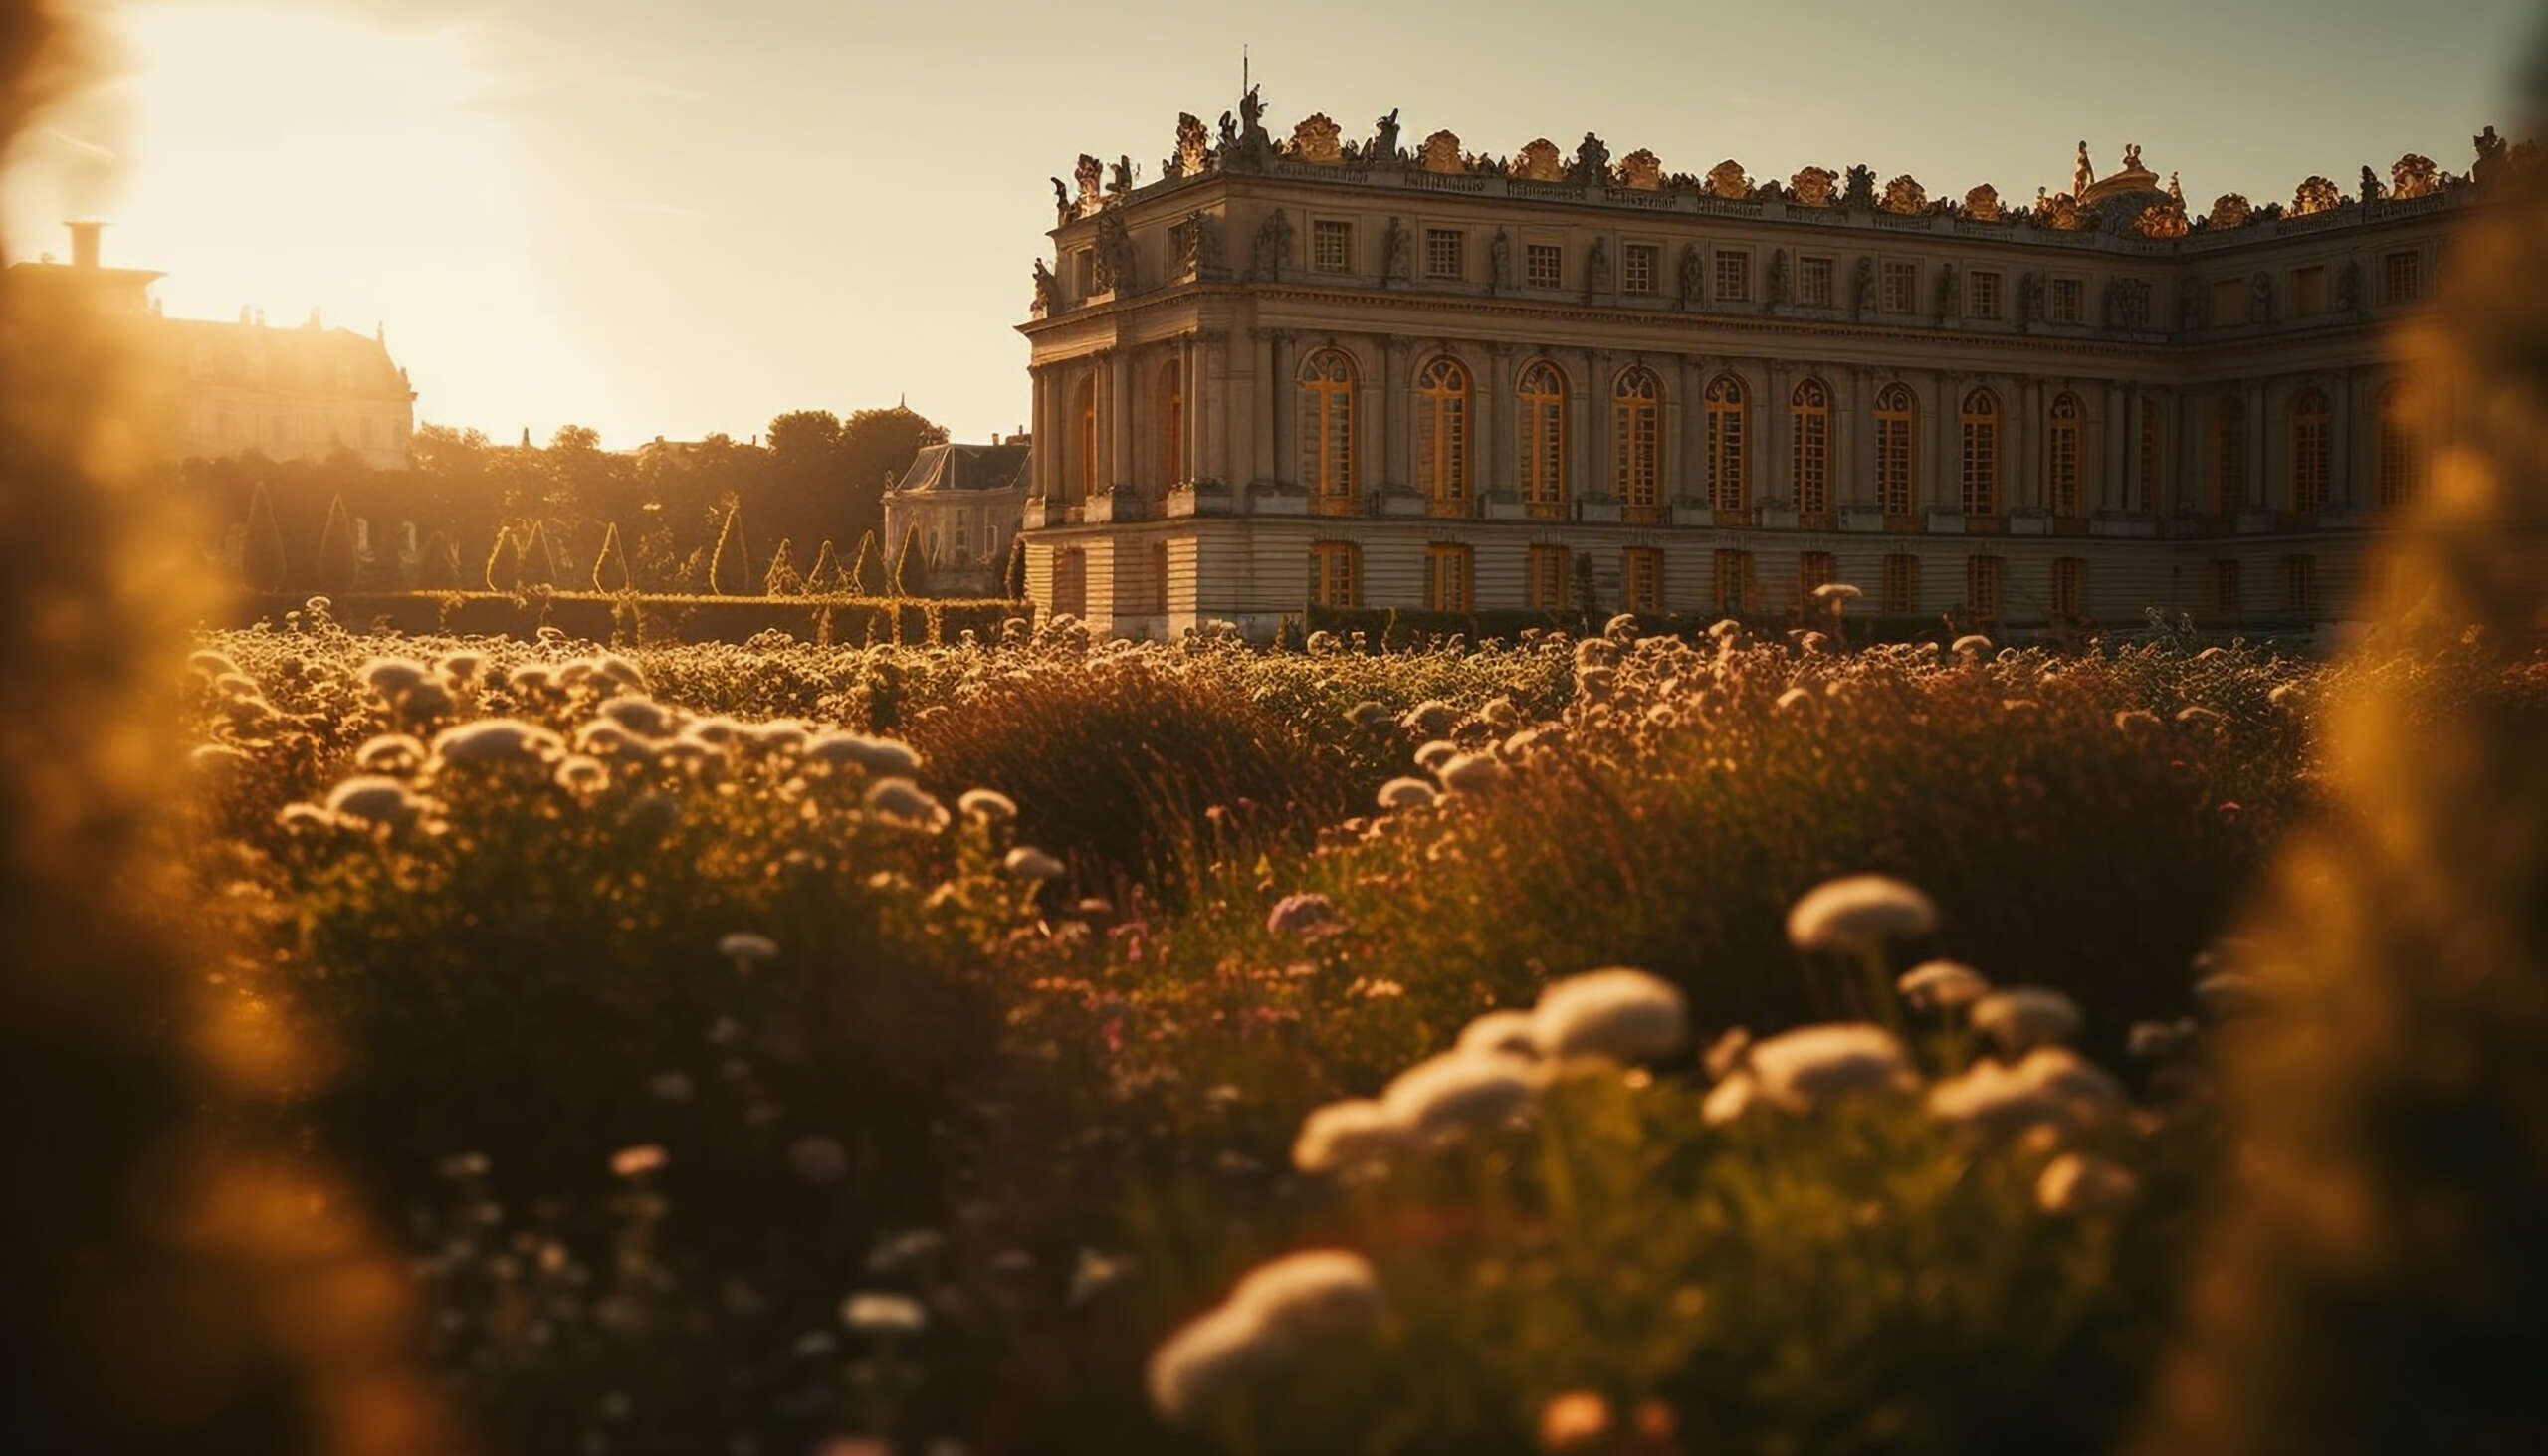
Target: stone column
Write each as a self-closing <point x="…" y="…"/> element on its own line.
<point x="1396" y="434"/>
<point x="1776" y="479"/>
<point x="1285" y="400"/>
<point x="1119" y="407"/>
<point x="1940" y="478"/>
<point x="1587" y="408"/>
<point x="1211" y="438"/>
<point x="1039" y="395"/>
<point x="2260" y="428"/>
<point x="2127" y="493"/>
<point x="2113" y="447"/>
<point x="1693" y="475"/>
<point x="1495" y="437"/>
<point x="1261" y="415"/>
<point x="1852" y="440"/>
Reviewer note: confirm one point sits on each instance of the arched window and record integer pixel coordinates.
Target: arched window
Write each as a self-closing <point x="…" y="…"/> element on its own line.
<point x="2229" y="453"/>
<point x="1080" y="468"/>
<point x="1636" y="443"/>
<point x="1979" y="420"/>
<point x="2312" y="453"/>
<point x="2066" y="455"/>
<point x="1726" y="445"/>
<point x="1540" y="419"/>
<point x="1897" y="428"/>
<point x="1442" y="436"/>
<point x="1327" y="429"/>
<point x="2400" y="476"/>
<point x="1170" y="423"/>
<point x="1810" y="416"/>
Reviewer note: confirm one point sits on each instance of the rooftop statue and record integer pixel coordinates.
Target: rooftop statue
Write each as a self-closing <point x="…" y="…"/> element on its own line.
<point x="1642" y="171"/>
<point x="1122" y="181"/>
<point x="1539" y="163"/>
<point x="1982" y="204"/>
<point x="1090" y="175"/>
<point x="2132" y="157"/>
<point x="1193" y="145"/>
<point x="1811" y="187"/>
<point x="1047" y="295"/>
<point x="1442" y="153"/>
<point x="1592" y="160"/>
<point x="1251" y="115"/>
<point x="1061" y="201"/>
<point x="1728" y="179"/>
<point x="1385" y="140"/>
<point x="2082" y="176"/>
<point x="2414" y="176"/>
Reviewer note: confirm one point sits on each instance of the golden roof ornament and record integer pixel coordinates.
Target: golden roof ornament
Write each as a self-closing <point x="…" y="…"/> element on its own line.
<point x="1317" y="139"/>
<point x="2414" y="176"/>
<point x="1727" y="179"/>
<point x="1905" y="196"/>
<point x="1812" y="188"/>
<point x="1442" y="153"/>
<point x="2315" y="195"/>
<point x="1982" y="204"/>
<point x="2229" y="210"/>
<point x="1641" y="172"/>
<point x="2161" y="220"/>
<point x="1540" y="162"/>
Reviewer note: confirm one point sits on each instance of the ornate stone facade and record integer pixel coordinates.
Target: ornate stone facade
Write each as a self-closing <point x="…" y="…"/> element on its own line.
<point x="1462" y="383"/>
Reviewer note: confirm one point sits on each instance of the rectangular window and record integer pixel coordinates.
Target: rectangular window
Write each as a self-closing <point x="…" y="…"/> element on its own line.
<point x="1641" y="579"/>
<point x="1083" y="272"/>
<point x="2309" y="289"/>
<point x="1336" y="575"/>
<point x="2402" y="277"/>
<point x="1814" y="281"/>
<point x="1548" y="579"/>
<point x="1901" y="287"/>
<point x="1544" y="265"/>
<point x="2225" y="588"/>
<point x="1178" y="236"/>
<point x="1812" y="569"/>
<point x="2148" y="482"/>
<point x="2300" y="583"/>
<point x="1448" y="578"/>
<point x="2069" y="302"/>
<point x="1733" y="581"/>
<point x="1733" y="278"/>
<point x="2229" y="302"/>
<point x="2070" y="586"/>
<point x="1982" y="587"/>
<point x="1901" y="587"/>
<point x="1332" y="246"/>
<point x="1982" y="296"/>
<point x="1639" y="265"/>
<point x="1445" y="253"/>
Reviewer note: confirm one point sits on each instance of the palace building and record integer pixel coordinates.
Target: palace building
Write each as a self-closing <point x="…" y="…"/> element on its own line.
<point x="964" y="503"/>
<point x="1333" y="372"/>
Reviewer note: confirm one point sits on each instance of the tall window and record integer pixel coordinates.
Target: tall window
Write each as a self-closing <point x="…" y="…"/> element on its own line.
<point x="1159" y="576"/>
<point x="1980" y="422"/>
<point x="1900" y="287"/>
<point x="1639" y="265"/>
<point x="2300" y="583"/>
<point x="1726" y="445"/>
<point x="2311" y="451"/>
<point x="1442" y="436"/>
<point x="2398" y="461"/>
<point x="1171" y="423"/>
<point x="2070" y="586"/>
<point x="2149" y="457"/>
<point x="1641" y="579"/>
<point x="1733" y="581"/>
<point x="2066" y="455"/>
<point x="1445" y="253"/>
<point x="1544" y="265"/>
<point x="1540" y="419"/>
<point x="2069" y="302"/>
<point x="1732" y="277"/>
<point x="1982" y="293"/>
<point x="1327" y="429"/>
<point x="2229" y="453"/>
<point x="1549" y="568"/>
<point x="1336" y="575"/>
<point x="1812" y="569"/>
<point x="1448" y="578"/>
<point x="2402" y="277"/>
<point x="1069" y="582"/>
<point x="2310" y="288"/>
<point x="1636" y="443"/>
<point x="1332" y="246"/>
<point x="1082" y="472"/>
<point x="2225" y="588"/>
<point x="1897" y="422"/>
<point x="1814" y="281"/>
<point x="1809" y="417"/>
<point x="1982" y="587"/>
<point x="1900" y="589"/>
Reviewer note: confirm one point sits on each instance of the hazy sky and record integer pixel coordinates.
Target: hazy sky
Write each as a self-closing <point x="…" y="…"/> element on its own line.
<point x="673" y="216"/>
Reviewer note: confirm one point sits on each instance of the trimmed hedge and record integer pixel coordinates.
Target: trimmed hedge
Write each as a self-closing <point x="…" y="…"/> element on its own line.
<point x="627" y="619"/>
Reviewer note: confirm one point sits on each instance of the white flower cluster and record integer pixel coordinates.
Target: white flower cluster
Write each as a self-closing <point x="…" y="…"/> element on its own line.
<point x="1279" y="1312"/>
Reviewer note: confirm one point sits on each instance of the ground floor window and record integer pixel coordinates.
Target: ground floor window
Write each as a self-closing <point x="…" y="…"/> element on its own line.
<point x="1901" y="585"/>
<point x="2070" y="586"/>
<point x="1982" y="587"/>
<point x="2225" y="588"/>
<point x="1733" y="581"/>
<point x="1069" y="582"/>
<point x="1336" y="575"/>
<point x="2300" y="583"/>
<point x="1448" y="578"/>
<point x="1812" y="569"/>
<point x="1641" y="579"/>
<point x="1548" y="578"/>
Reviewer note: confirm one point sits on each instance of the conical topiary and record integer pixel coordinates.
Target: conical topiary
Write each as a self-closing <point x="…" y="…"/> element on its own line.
<point x="911" y="571"/>
<point x="503" y="562"/>
<point x="538" y="562"/>
<point x="437" y="566"/>
<point x="261" y="563"/>
<point x="864" y="567"/>
<point x="729" y="569"/>
<point x="782" y="578"/>
<point x="337" y="563"/>
<point x="610" y="568"/>
<point x="825" y="578"/>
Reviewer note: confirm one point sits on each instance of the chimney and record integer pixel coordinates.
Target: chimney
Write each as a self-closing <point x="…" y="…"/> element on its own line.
<point x="83" y="243"/>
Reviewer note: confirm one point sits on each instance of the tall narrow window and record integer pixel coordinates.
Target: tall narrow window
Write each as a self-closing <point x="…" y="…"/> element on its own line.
<point x="2397" y="460"/>
<point x="2066" y="455"/>
<point x="2311" y="451"/>
<point x="1641" y="579"/>
<point x="1171" y="424"/>
<point x="1980" y="422"/>
<point x="1336" y="575"/>
<point x="1812" y="569"/>
<point x="2300" y="583"/>
<point x="1982" y="587"/>
<point x="1810" y="416"/>
<point x="1897" y="422"/>
<point x="2402" y="277"/>
<point x="1549" y="567"/>
<point x="1733" y="581"/>
<point x="2070" y="586"/>
<point x="1083" y="462"/>
<point x="1069" y="582"/>
<point x="1448" y="578"/>
<point x="1636" y="444"/>
<point x="1900" y="593"/>
<point x="2149" y="452"/>
<point x="2229" y="453"/>
<point x="1726" y="445"/>
<point x="2225" y="588"/>
<point x="1443" y="437"/>
<point x="1540" y="419"/>
<point x="1327" y="430"/>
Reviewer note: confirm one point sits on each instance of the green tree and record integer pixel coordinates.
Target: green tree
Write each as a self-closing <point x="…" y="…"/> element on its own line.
<point x="538" y="562"/>
<point x="782" y="578"/>
<point x="503" y="562"/>
<point x="911" y="569"/>
<point x="610" y="568"/>
<point x="864" y="567"/>
<point x="261" y="563"/>
<point x="876" y="447"/>
<point x="729" y="566"/>
<point x="1013" y="578"/>
<point x="438" y="565"/>
<point x="825" y="579"/>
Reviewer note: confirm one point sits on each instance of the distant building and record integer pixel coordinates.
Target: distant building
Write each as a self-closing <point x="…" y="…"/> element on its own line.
<point x="967" y="501"/>
<point x="1332" y="372"/>
<point x="293" y="393"/>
